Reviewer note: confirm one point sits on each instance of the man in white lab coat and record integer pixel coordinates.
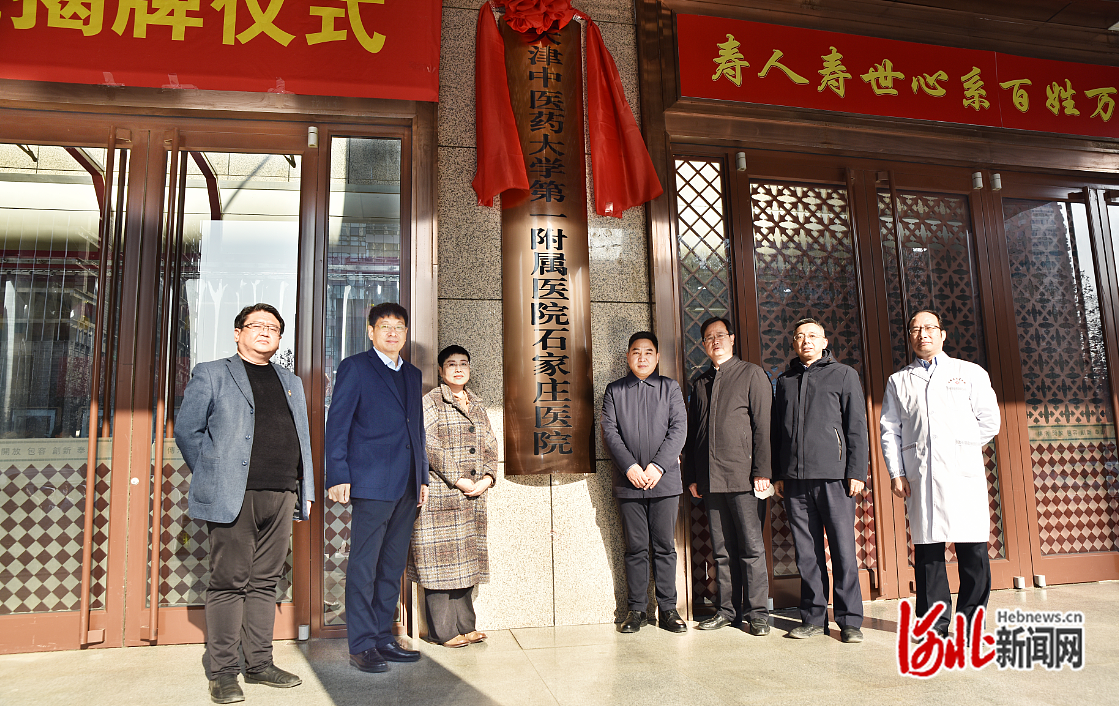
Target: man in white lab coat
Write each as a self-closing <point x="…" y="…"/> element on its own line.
<point x="937" y="414"/>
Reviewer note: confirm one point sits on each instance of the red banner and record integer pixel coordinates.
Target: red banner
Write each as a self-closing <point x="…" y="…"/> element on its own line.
<point x="751" y="62"/>
<point x="363" y="48"/>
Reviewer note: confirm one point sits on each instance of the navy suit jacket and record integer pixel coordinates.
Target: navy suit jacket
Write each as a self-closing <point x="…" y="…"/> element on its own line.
<point x="375" y="440"/>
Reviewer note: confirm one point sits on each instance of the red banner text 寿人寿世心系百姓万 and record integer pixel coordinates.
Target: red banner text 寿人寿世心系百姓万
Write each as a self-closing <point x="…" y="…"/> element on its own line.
<point x="751" y="62"/>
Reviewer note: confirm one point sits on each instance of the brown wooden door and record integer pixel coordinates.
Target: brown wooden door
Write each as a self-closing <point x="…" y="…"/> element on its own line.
<point x="856" y="244"/>
<point x="934" y="246"/>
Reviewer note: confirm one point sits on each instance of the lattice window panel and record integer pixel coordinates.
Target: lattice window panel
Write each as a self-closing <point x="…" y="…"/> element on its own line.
<point x="703" y="251"/>
<point x="937" y="250"/>
<point x="1064" y="370"/>
<point x="804" y="262"/>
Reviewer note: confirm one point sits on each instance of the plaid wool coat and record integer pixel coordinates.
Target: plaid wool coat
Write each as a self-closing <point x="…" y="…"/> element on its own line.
<point x="449" y="539"/>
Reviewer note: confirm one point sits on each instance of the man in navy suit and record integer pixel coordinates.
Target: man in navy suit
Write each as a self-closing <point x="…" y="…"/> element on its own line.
<point x="376" y="461"/>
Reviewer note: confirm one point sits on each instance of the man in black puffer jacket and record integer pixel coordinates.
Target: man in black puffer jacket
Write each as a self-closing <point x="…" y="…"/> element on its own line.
<point x="821" y="452"/>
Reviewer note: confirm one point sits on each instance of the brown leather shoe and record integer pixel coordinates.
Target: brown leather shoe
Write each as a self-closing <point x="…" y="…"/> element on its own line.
<point x="475" y="636"/>
<point x="457" y="641"/>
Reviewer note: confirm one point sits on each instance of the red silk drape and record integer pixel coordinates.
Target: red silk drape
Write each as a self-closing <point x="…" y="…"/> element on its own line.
<point x="622" y="171"/>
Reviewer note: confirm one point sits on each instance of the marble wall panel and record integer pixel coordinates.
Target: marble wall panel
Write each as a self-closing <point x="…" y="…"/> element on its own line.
<point x="456" y="77"/>
<point x="587" y="549"/>
<point x="469" y="234"/>
<point x="519" y="593"/>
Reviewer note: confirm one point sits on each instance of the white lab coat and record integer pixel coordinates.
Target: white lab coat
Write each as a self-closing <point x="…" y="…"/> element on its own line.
<point x="934" y="427"/>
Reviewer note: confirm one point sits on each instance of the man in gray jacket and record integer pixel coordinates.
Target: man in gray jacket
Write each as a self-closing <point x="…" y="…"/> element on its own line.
<point x="821" y="455"/>
<point x="242" y="429"/>
<point x="726" y="461"/>
<point x="644" y="424"/>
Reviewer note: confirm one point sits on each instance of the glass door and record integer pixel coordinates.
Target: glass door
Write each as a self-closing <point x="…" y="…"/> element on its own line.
<point x="232" y="234"/>
<point x="61" y="210"/>
<point x="1057" y="246"/>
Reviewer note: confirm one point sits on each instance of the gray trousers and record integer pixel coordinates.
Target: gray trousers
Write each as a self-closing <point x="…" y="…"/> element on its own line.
<point x="741" y="576"/>
<point x="815" y="507"/>
<point x="246" y="561"/>
<point x="449" y="613"/>
<point x="646" y="521"/>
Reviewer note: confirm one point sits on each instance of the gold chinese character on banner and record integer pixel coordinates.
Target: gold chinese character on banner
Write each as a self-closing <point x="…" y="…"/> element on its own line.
<point x="1105" y="104"/>
<point x="169" y="13"/>
<point x="1019" y="96"/>
<point x="352" y="10"/>
<point x="834" y="73"/>
<point x="263" y="21"/>
<point x="85" y="15"/>
<point x="974" y="91"/>
<point x="1057" y="98"/>
<point x="881" y="78"/>
<point x="775" y="62"/>
<point x="730" y="61"/>
<point x="930" y="84"/>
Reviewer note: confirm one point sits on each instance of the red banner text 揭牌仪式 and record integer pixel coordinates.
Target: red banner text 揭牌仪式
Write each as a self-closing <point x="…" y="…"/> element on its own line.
<point x="362" y="48"/>
<point x="751" y="62"/>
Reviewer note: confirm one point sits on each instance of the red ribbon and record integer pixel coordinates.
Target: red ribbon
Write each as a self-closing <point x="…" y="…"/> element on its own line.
<point x="623" y="172"/>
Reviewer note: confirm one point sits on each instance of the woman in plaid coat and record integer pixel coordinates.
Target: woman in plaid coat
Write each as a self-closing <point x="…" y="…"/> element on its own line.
<point x="448" y="555"/>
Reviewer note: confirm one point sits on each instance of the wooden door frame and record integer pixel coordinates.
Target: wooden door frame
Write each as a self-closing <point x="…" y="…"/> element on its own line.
<point x="34" y="632"/>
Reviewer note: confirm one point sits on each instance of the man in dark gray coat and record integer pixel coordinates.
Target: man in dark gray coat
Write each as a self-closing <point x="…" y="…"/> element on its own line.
<point x="727" y="462"/>
<point x="242" y="430"/>
<point x="644" y="424"/>
<point x="822" y="451"/>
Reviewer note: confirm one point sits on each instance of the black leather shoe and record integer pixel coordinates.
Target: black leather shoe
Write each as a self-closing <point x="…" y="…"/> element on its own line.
<point x="370" y="661"/>
<point x="714" y="622"/>
<point x="759" y="626"/>
<point x="850" y="633"/>
<point x="224" y="689"/>
<point x="633" y="622"/>
<point x="273" y="676"/>
<point x="805" y="631"/>
<point x="393" y="652"/>
<point x="671" y="621"/>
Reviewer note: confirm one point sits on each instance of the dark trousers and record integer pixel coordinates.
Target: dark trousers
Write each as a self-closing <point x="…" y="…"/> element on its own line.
<point x="646" y="520"/>
<point x="379" y="534"/>
<point x="246" y="561"/>
<point x="741" y="577"/>
<point x="815" y="507"/>
<point x="931" y="572"/>
<point x="449" y="613"/>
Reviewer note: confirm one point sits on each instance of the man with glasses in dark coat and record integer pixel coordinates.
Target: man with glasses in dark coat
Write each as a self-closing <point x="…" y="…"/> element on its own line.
<point x="727" y="462"/>
<point x="821" y="454"/>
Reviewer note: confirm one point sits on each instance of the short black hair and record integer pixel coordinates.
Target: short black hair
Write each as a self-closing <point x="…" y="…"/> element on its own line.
<point x="909" y="325"/>
<point x="711" y="322"/>
<point x="810" y="320"/>
<point x="450" y="351"/>
<point x="387" y="309"/>
<point x="648" y="335"/>
<point x="239" y="321"/>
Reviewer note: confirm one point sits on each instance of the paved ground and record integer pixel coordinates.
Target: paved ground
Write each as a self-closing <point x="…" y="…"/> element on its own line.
<point x="592" y="664"/>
